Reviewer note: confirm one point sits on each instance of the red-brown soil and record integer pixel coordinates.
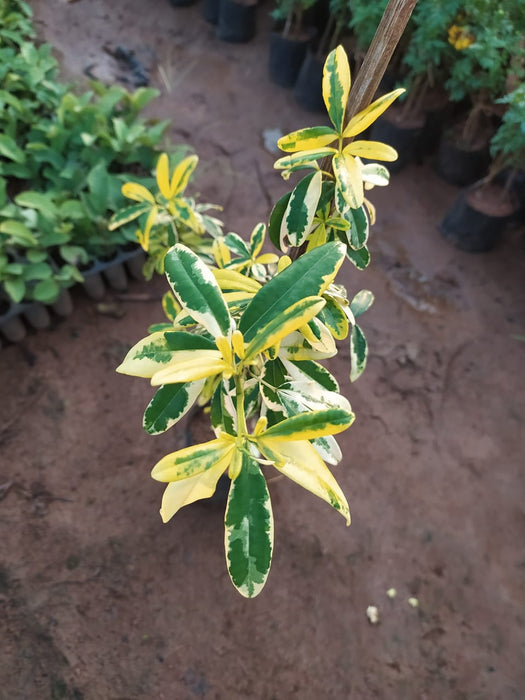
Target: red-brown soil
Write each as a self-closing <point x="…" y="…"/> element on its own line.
<point x="99" y="600"/>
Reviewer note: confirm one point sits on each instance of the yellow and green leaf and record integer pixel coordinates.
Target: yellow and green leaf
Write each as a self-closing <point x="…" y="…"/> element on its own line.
<point x="170" y="403"/>
<point x="308" y="139"/>
<point x="197" y="290"/>
<point x="335" y="319"/>
<point x="124" y="216"/>
<point x="336" y="86"/>
<point x="308" y="276"/>
<point x="301" y="462"/>
<point x="283" y="324"/>
<point x="235" y="281"/>
<point x="181" y="175"/>
<point x="146" y="357"/>
<point x="191" y="365"/>
<point x="195" y="459"/>
<point x="248" y="537"/>
<point x="303" y="158"/>
<point x="349" y="180"/>
<point x="310" y="425"/>
<point x="358" y="353"/>
<point x="300" y="211"/>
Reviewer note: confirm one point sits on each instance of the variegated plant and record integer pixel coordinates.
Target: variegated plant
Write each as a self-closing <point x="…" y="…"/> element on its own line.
<point x="168" y="215"/>
<point x="246" y="332"/>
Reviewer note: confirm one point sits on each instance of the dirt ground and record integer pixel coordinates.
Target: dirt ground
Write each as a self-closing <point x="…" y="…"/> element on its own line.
<point x="101" y="601"/>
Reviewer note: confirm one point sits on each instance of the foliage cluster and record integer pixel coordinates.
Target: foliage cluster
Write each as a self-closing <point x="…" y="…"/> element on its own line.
<point x="247" y="329"/>
<point x="63" y="160"/>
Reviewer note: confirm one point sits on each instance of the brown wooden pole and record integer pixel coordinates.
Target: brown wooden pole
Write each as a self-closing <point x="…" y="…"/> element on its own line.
<point x="388" y="33"/>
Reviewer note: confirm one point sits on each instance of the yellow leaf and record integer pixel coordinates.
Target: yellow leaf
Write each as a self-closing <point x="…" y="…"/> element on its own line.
<point x="181" y="493"/>
<point x="150" y="221"/>
<point x="182" y="174"/>
<point x="198" y="367"/>
<point x="139" y="193"/>
<point x="300" y="462"/>
<point x="363" y="119"/>
<point x="163" y="175"/>
<point x="373" y="150"/>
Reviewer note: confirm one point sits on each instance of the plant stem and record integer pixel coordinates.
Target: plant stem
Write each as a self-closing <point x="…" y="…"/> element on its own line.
<point x="242" y="428"/>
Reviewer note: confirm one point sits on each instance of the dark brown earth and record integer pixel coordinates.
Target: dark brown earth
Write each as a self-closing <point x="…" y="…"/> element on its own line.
<point x="99" y="600"/>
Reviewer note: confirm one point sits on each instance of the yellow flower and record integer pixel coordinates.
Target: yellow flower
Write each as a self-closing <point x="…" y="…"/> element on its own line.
<point x="460" y="37"/>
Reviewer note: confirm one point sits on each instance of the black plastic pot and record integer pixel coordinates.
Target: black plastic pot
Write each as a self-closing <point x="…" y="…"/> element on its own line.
<point x="210" y="11"/>
<point x="237" y="21"/>
<point x="404" y="138"/>
<point x="470" y="229"/>
<point x="308" y="89"/>
<point x="286" y="58"/>
<point x="460" y="166"/>
<point x="182" y="3"/>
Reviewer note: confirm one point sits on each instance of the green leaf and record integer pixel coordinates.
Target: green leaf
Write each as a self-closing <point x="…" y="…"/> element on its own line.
<point x="16" y="289"/>
<point x="310" y="425"/>
<point x="300" y="211"/>
<point x="336" y="86"/>
<point x="315" y="372"/>
<point x="46" y="291"/>
<point x="358" y="353"/>
<point x="309" y="275"/>
<point x="170" y="403"/>
<point x="362" y="301"/>
<point x="18" y="231"/>
<point x="128" y="214"/>
<point x="9" y="149"/>
<point x="236" y="244"/>
<point x="335" y="319"/>
<point x="180" y="340"/>
<point x="248" y="535"/>
<point x="38" y="201"/>
<point x="357" y="233"/>
<point x="360" y="258"/>
<point x="276" y="217"/>
<point x="196" y="290"/>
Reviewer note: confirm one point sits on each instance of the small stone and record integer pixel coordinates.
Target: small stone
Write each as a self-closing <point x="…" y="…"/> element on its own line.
<point x="414" y="602"/>
<point x="270" y="138"/>
<point x="391" y="593"/>
<point x="373" y="614"/>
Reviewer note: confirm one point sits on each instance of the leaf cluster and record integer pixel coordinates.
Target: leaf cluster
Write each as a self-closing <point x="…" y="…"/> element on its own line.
<point x="508" y="143"/>
<point x="494" y="47"/>
<point x="63" y="160"/>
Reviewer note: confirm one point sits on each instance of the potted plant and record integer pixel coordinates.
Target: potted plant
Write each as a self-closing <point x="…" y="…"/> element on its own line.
<point x="480" y="214"/>
<point x="487" y="39"/>
<point x="289" y="45"/>
<point x="236" y="20"/>
<point x="247" y="331"/>
<point x="308" y="88"/>
<point x="413" y="127"/>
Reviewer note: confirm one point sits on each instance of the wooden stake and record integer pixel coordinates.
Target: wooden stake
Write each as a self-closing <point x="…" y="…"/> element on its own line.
<point x="387" y="36"/>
